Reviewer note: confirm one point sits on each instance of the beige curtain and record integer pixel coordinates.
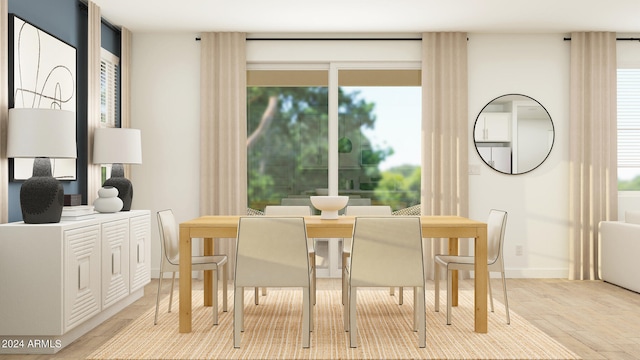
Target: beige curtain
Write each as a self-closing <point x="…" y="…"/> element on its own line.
<point x="445" y="183"/>
<point x="223" y="129"/>
<point x="593" y="195"/>
<point x="125" y="85"/>
<point x="4" y="114"/>
<point x="94" y="179"/>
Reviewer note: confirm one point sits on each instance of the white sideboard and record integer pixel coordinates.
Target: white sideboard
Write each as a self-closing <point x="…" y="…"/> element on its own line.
<point x="58" y="281"/>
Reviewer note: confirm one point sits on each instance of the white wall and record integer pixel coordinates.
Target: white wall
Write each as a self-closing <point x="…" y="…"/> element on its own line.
<point x="538" y="201"/>
<point x="165" y="106"/>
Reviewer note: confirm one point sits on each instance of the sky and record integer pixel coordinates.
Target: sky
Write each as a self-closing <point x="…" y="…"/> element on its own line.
<point x="398" y="114"/>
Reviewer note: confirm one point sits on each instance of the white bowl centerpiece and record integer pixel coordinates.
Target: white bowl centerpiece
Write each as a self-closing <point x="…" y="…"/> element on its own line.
<point x="329" y="205"/>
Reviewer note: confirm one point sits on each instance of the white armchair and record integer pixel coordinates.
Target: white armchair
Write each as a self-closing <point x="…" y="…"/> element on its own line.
<point x="619" y="251"/>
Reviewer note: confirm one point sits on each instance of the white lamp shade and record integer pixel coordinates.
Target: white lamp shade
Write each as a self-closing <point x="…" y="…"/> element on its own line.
<point x="41" y="133"/>
<point x="117" y="145"/>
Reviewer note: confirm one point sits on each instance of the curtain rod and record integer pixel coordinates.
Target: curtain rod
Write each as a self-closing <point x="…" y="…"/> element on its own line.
<point x="617" y="39"/>
<point x="83" y="6"/>
<point x="331" y="39"/>
<point x="377" y="39"/>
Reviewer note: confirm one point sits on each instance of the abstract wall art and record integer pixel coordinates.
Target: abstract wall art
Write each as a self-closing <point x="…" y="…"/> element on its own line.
<point x="42" y="74"/>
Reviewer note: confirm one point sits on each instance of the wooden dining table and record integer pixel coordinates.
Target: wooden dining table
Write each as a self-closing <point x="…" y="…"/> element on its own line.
<point x="226" y="226"/>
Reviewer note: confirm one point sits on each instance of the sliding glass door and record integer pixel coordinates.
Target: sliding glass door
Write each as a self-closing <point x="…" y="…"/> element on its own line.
<point x="379" y="116"/>
<point x="287" y="145"/>
<point x="369" y="148"/>
<point x="337" y="130"/>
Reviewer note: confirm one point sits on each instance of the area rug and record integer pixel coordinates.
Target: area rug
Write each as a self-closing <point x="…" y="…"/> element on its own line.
<point x="273" y="331"/>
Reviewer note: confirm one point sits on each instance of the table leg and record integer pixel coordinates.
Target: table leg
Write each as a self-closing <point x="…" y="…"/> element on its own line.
<point x="208" y="250"/>
<point x="481" y="273"/>
<point x="185" y="281"/>
<point x="453" y="250"/>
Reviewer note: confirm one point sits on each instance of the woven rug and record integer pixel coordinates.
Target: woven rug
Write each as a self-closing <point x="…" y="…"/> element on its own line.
<point x="273" y="331"/>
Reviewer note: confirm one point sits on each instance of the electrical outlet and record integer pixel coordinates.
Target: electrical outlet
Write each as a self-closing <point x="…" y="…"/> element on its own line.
<point x="519" y="250"/>
<point x="474" y="169"/>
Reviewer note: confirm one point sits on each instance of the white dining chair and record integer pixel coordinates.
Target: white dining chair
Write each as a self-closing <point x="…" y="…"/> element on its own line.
<point x="270" y="254"/>
<point x="496" y="226"/>
<point x="170" y="261"/>
<point x="361" y="210"/>
<point x="294" y="210"/>
<point x="396" y="243"/>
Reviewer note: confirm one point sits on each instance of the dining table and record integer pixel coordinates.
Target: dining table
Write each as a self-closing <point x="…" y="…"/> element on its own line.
<point x="210" y="227"/>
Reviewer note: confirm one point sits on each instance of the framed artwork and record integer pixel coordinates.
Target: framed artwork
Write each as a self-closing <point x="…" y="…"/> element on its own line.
<point x="42" y="74"/>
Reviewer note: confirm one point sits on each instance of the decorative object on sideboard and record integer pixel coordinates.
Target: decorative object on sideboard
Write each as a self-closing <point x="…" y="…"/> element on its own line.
<point x="41" y="134"/>
<point x="72" y="199"/>
<point x="77" y="212"/>
<point x="108" y="200"/>
<point x="118" y="146"/>
<point x="329" y="205"/>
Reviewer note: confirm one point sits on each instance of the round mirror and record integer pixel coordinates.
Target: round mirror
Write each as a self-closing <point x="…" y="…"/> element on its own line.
<point x="513" y="134"/>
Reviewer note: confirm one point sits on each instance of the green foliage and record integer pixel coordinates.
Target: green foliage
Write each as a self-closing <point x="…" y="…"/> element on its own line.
<point x="399" y="187"/>
<point x="629" y="185"/>
<point x="288" y="148"/>
<point x="289" y="134"/>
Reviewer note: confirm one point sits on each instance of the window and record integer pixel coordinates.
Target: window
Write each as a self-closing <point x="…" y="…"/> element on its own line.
<point x="628" y="129"/>
<point x="379" y="114"/>
<point x="287" y="114"/>
<point x="378" y="136"/>
<point x="109" y="70"/>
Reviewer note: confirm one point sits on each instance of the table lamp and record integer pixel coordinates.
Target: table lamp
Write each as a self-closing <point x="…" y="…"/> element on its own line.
<point x="118" y="146"/>
<point x="41" y="134"/>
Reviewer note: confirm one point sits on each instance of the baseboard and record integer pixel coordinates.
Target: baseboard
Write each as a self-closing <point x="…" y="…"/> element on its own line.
<point x="527" y="273"/>
<point x="531" y="274"/>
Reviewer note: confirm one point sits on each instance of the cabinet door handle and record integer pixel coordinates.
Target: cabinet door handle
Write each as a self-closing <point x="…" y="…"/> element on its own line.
<point x="115" y="262"/>
<point x="140" y="252"/>
<point x="83" y="274"/>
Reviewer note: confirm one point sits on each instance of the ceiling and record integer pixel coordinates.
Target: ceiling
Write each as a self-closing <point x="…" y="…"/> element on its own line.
<point x="373" y="16"/>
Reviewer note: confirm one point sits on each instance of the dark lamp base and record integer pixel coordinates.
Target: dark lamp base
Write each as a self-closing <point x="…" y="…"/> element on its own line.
<point x="41" y="196"/>
<point x="41" y="200"/>
<point x="118" y="181"/>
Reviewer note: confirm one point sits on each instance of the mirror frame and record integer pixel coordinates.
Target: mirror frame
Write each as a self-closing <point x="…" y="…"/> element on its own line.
<point x="526" y="98"/>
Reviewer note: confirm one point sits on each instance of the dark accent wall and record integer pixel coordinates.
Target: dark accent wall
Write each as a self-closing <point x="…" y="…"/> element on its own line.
<point x="66" y="20"/>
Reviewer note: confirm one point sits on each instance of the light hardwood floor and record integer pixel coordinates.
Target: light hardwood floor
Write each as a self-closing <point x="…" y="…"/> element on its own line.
<point x="594" y="319"/>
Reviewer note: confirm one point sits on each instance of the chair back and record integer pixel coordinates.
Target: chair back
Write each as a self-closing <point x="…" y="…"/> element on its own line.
<point x="387" y="251"/>
<point x="364" y="210"/>
<point x="272" y="251"/>
<point x="355" y="202"/>
<point x="303" y="201"/>
<point x="380" y="210"/>
<point x="496" y="226"/>
<point x="283" y="210"/>
<point x="169" y="236"/>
